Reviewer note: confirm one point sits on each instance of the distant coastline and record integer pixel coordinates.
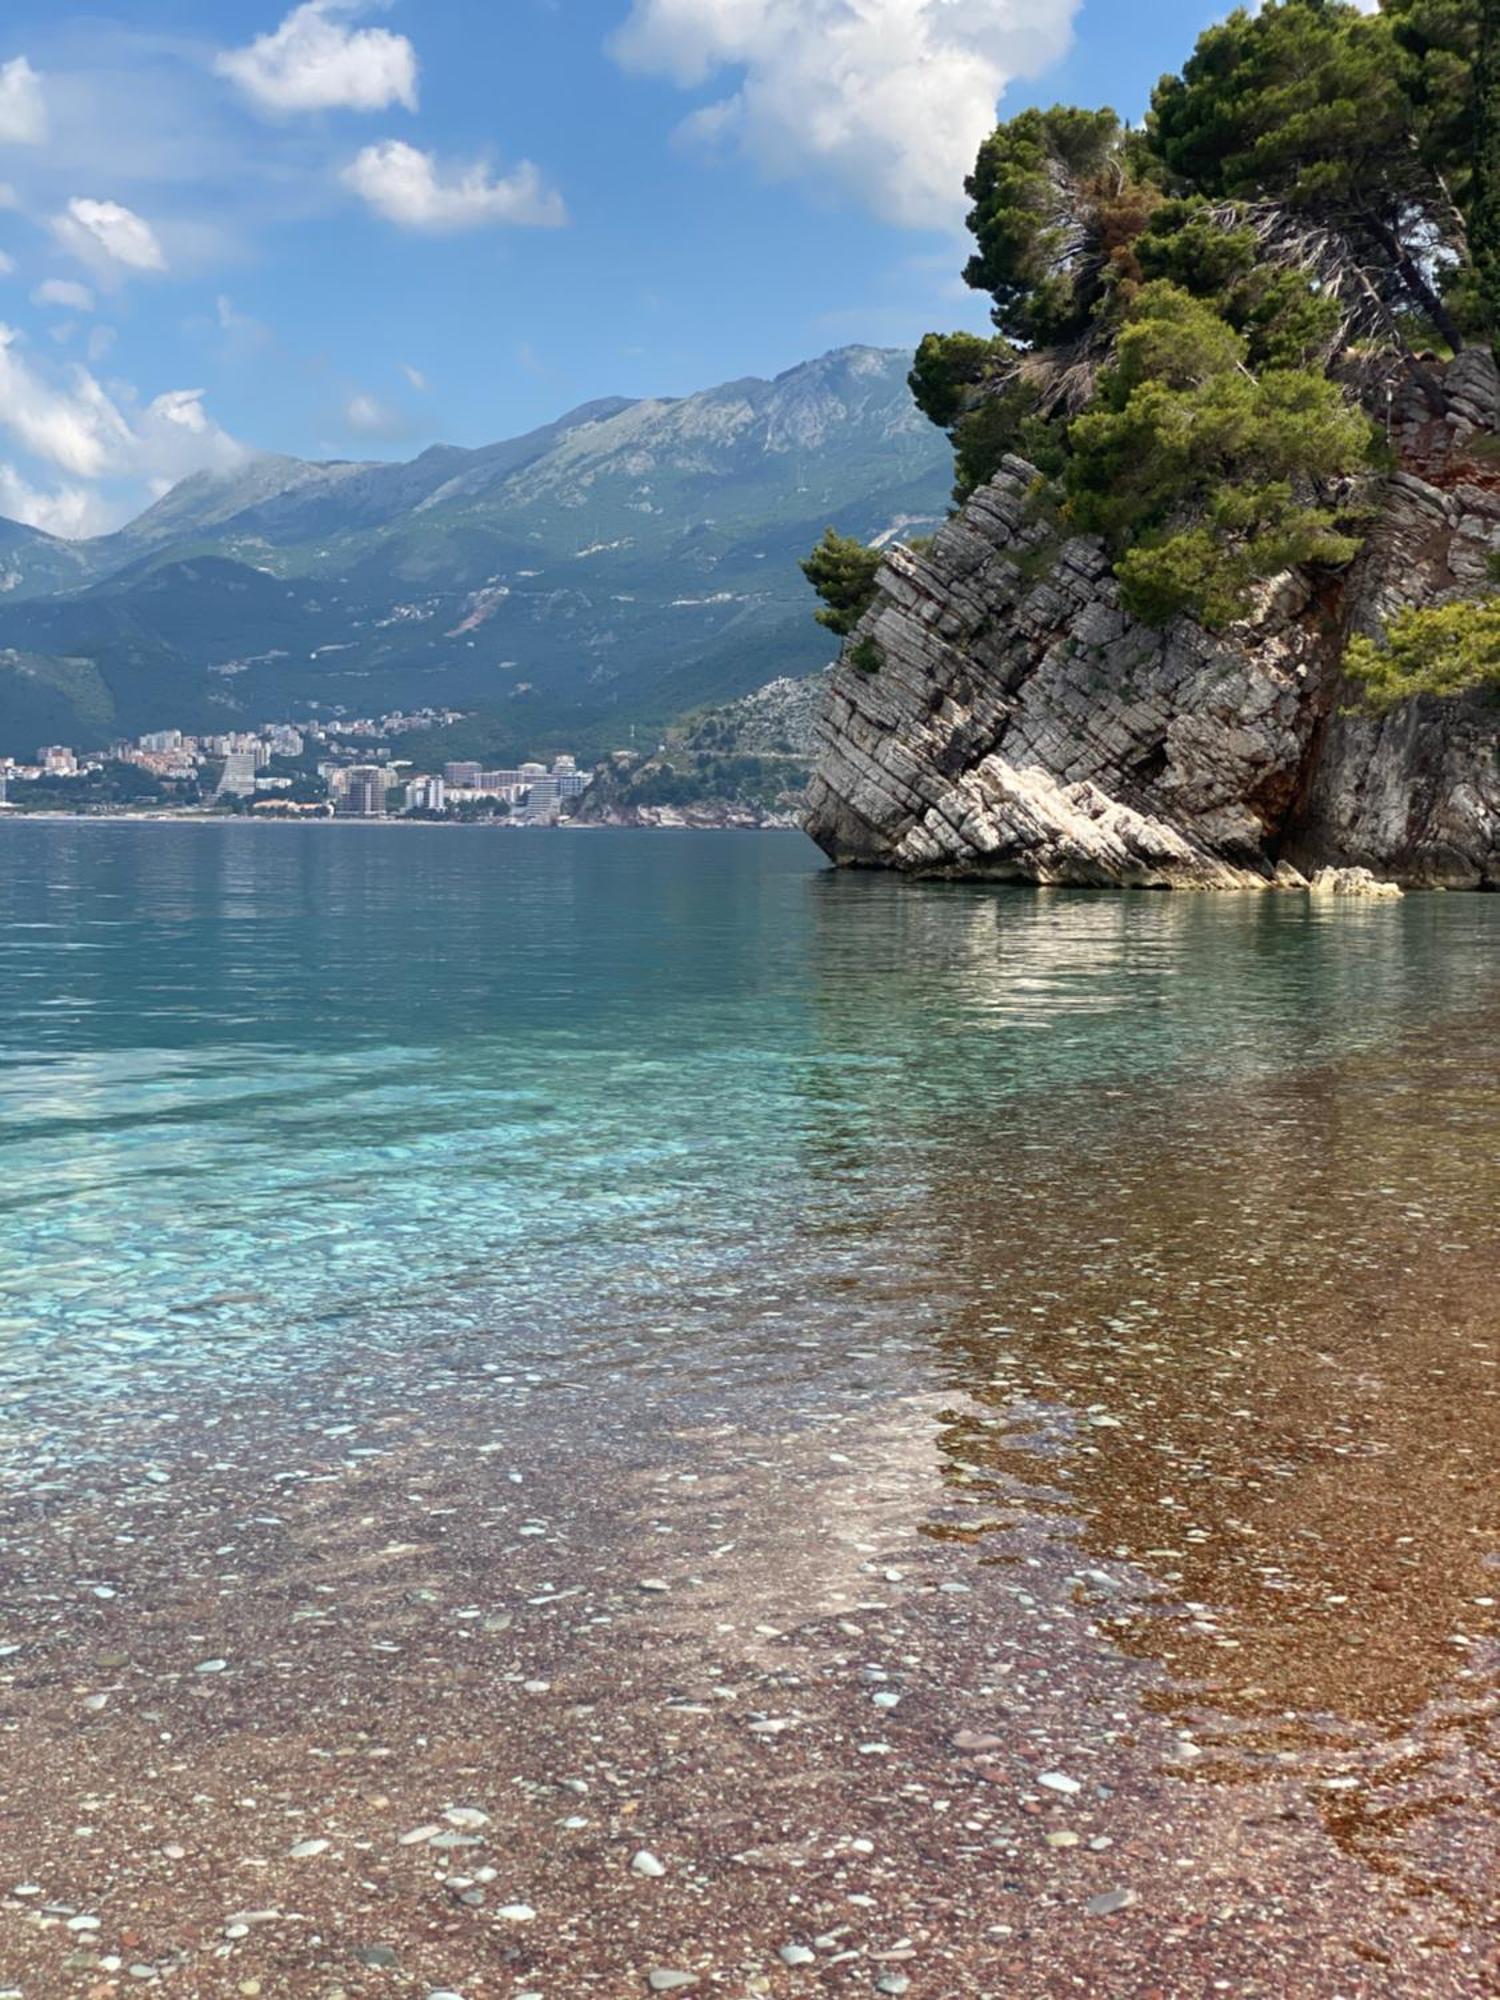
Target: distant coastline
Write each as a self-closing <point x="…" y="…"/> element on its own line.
<point x="496" y="826"/>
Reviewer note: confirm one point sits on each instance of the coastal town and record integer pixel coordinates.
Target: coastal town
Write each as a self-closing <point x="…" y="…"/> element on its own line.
<point x="345" y="769"/>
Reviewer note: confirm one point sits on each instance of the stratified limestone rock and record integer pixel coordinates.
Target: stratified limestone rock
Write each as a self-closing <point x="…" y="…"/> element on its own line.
<point x="1021" y="725"/>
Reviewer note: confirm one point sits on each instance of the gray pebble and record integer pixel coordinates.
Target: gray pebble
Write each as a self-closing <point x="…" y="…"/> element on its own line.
<point x="1112" y="1900"/>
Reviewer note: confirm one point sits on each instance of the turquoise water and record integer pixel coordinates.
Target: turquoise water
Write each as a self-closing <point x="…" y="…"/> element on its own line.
<point x="263" y="1089"/>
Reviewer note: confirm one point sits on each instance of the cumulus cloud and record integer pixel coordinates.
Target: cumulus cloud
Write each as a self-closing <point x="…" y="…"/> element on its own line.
<point x="109" y="237"/>
<point x="315" y="61"/>
<point x="885" y="100"/>
<point x="65" y="419"/>
<point x="71" y="511"/>
<point x="74" y="427"/>
<point x="23" y="109"/>
<point x="407" y="186"/>
<point x="64" y="292"/>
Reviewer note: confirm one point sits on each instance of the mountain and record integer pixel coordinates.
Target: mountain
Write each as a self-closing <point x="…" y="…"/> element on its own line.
<point x="32" y="562"/>
<point x="629" y="563"/>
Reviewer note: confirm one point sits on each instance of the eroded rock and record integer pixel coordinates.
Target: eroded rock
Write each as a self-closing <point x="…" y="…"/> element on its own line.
<point x="1021" y="725"/>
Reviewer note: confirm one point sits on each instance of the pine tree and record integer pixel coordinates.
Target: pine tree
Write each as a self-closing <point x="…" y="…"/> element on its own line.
<point x="842" y="571"/>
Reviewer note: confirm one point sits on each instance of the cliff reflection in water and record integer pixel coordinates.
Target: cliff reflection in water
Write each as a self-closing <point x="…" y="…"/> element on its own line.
<point x="1224" y="1309"/>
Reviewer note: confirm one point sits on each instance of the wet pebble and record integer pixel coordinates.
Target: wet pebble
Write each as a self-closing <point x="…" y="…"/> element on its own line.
<point x="1111" y="1901"/>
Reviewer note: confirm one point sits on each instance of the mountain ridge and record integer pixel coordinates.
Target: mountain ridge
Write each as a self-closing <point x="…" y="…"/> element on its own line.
<point x="631" y="560"/>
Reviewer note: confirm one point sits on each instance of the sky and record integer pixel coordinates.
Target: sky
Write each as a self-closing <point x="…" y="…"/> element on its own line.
<point x="348" y="230"/>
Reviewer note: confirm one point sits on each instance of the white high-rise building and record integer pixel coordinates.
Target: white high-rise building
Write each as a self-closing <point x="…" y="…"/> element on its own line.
<point x="426" y="795"/>
<point x="237" y="781"/>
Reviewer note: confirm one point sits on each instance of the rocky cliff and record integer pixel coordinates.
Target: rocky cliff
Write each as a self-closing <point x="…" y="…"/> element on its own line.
<point x="999" y="714"/>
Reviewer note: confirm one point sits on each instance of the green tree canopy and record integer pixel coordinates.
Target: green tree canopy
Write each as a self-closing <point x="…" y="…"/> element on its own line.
<point x="1308" y="104"/>
<point x="1189" y="317"/>
<point x="1441" y="650"/>
<point x="842" y="571"/>
<point x="1202" y="475"/>
<point x="1044" y="191"/>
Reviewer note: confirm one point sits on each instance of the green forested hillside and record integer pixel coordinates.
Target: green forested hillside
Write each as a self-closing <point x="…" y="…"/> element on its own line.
<point x="627" y="564"/>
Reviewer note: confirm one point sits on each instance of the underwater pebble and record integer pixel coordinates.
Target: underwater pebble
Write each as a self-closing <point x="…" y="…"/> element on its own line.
<point x="1111" y="1901"/>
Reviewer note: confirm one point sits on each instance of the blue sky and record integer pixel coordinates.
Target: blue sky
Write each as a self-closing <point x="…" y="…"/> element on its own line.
<point x="349" y="230"/>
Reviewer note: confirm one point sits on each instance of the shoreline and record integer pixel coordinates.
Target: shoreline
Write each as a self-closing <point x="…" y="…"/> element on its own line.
<point x="433" y="826"/>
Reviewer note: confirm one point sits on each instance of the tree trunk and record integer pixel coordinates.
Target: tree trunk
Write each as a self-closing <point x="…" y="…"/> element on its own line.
<point x="1414" y="278"/>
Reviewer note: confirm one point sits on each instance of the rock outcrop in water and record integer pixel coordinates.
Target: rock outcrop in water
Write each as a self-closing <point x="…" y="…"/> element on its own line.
<point x="1020" y="724"/>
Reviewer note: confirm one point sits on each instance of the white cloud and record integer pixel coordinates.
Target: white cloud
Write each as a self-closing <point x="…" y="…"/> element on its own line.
<point x="885" y="100"/>
<point x="415" y="376"/>
<point x="174" y="435"/>
<point x="368" y="417"/>
<point x="408" y="187"/>
<point x="8" y="196"/>
<point x="72" y="511"/>
<point x="76" y="428"/>
<point x="109" y="237"/>
<point x="64" y="418"/>
<point x="315" y="62"/>
<point x="23" y="109"/>
<point x="7" y="264"/>
<point x="64" y="292"/>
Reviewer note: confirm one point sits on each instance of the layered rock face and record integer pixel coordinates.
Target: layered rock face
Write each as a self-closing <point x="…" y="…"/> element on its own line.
<point x="1019" y="724"/>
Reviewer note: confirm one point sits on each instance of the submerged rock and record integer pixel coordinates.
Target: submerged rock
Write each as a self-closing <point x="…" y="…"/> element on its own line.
<point x="1020" y="724"/>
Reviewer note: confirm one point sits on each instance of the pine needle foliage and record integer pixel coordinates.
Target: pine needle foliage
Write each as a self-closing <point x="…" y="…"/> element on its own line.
<point x="1437" y="650"/>
<point x="1193" y="319"/>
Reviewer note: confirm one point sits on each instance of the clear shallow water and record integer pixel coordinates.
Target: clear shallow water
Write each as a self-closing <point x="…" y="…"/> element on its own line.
<point x="402" y="1227"/>
<point x="263" y="1088"/>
